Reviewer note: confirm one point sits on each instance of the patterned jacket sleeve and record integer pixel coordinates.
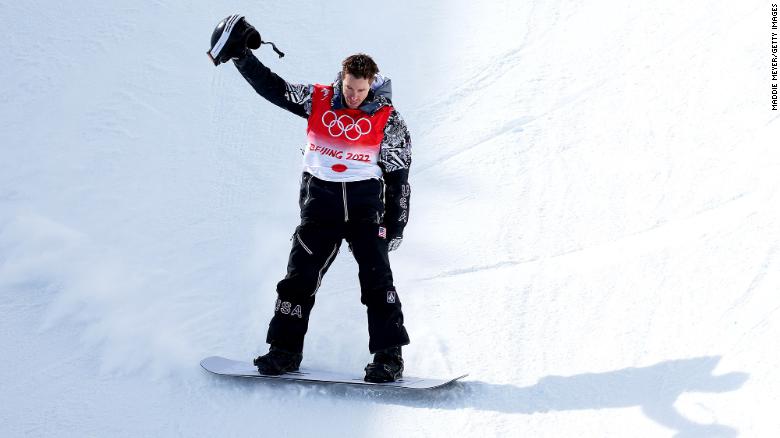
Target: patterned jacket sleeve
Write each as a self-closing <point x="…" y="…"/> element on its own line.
<point x="295" y="98"/>
<point x="395" y="158"/>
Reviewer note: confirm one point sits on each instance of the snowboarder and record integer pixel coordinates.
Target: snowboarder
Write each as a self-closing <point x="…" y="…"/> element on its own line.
<point x="354" y="187"/>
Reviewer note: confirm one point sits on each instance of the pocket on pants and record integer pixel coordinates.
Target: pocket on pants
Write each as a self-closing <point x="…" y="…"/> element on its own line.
<point x="303" y="244"/>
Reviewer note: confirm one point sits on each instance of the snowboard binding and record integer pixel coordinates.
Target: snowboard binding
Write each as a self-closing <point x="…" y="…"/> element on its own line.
<point x="388" y="366"/>
<point x="278" y="361"/>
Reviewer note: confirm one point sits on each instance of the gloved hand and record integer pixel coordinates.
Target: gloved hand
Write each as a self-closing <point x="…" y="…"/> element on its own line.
<point x="394" y="243"/>
<point x="232" y="39"/>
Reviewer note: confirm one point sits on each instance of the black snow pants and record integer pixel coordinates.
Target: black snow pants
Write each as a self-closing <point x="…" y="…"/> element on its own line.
<point x="332" y="212"/>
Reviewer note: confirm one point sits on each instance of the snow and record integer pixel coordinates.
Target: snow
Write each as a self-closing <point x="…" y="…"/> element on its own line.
<point x="593" y="237"/>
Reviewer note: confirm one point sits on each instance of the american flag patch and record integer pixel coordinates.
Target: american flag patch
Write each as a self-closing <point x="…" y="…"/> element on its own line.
<point x="383" y="232"/>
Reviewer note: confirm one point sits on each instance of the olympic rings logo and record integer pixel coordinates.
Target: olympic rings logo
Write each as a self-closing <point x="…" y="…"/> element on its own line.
<point x="345" y="125"/>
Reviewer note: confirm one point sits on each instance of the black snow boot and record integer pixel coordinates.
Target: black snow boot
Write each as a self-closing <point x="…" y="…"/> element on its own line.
<point x="388" y="366"/>
<point x="278" y="361"/>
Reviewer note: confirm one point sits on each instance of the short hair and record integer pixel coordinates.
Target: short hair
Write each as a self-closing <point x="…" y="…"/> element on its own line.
<point x="360" y="66"/>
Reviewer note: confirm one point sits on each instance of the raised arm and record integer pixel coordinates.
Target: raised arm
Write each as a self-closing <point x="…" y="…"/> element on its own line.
<point x="295" y="98"/>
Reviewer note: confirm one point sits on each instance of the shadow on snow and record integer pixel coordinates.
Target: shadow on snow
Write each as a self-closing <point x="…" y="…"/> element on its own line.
<point x="654" y="389"/>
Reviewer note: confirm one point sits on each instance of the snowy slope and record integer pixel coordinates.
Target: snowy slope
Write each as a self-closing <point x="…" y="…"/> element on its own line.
<point x="594" y="232"/>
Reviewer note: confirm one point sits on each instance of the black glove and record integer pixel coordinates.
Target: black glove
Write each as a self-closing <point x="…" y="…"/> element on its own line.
<point x="394" y="243"/>
<point x="232" y="39"/>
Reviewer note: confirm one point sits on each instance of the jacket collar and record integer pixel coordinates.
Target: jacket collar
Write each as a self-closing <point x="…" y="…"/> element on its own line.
<point x="381" y="94"/>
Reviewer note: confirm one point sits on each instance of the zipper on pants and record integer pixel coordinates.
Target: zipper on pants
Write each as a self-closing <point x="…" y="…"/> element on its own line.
<point x="328" y="261"/>
<point x="308" y="190"/>
<point x="344" y="192"/>
<point x="305" y="248"/>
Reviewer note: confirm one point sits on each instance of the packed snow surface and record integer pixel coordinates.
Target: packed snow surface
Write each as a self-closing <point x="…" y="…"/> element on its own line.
<point x="594" y="233"/>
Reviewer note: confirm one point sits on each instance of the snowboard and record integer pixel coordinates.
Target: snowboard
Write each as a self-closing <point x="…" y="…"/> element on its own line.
<point x="234" y="368"/>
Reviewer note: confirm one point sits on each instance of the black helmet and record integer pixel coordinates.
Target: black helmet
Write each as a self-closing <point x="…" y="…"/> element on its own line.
<point x="231" y="37"/>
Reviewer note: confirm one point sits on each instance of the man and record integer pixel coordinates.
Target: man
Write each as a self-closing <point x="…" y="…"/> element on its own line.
<point x="354" y="187"/>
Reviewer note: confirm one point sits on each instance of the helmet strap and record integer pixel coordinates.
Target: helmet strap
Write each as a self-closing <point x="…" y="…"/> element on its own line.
<point x="278" y="52"/>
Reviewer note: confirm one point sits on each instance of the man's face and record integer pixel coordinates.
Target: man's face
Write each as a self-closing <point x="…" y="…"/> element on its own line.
<point x="355" y="90"/>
